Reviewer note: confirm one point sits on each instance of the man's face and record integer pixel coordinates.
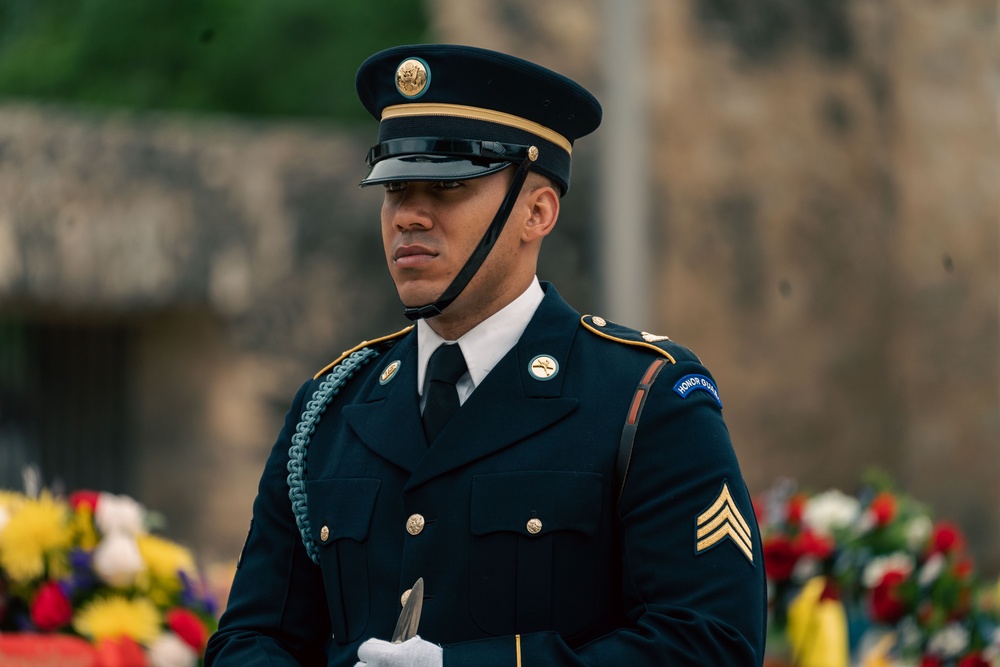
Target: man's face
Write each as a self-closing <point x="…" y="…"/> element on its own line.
<point x="430" y="229"/>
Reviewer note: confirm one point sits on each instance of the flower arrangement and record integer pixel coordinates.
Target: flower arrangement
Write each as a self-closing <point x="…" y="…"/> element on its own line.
<point x="906" y="588"/>
<point x="89" y="566"/>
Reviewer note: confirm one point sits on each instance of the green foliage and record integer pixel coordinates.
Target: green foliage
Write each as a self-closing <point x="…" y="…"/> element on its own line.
<point x="248" y="57"/>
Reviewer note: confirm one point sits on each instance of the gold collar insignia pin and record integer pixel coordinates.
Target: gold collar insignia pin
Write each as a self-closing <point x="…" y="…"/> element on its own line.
<point x="543" y="367"/>
<point x="389" y="372"/>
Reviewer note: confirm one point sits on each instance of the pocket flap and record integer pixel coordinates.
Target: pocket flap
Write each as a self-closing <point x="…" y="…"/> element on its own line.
<point x="341" y="509"/>
<point x="548" y="500"/>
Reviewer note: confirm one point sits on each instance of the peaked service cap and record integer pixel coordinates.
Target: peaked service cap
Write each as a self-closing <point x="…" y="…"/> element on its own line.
<point x="450" y="112"/>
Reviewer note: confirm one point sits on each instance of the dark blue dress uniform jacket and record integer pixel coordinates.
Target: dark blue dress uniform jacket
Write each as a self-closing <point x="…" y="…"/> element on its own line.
<point x="606" y="581"/>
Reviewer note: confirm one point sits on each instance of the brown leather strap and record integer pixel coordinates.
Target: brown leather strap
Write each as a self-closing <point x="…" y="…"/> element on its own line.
<point x="632" y="422"/>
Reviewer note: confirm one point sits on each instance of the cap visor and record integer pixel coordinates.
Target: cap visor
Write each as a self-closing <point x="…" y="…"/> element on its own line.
<point x="430" y="168"/>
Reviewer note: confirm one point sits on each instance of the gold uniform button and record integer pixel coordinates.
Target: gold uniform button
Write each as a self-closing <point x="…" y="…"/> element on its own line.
<point x="415" y="524"/>
<point x="324" y="533"/>
<point x="534" y="526"/>
<point x="405" y="596"/>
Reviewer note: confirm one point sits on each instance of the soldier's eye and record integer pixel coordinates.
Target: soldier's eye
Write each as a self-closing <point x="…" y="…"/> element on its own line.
<point x="449" y="185"/>
<point x="395" y="186"/>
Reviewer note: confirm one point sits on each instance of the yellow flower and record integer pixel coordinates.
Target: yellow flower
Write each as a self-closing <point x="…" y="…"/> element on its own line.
<point x="35" y="528"/>
<point x="164" y="560"/>
<point x="83" y="527"/>
<point x="10" y="501"/>
<point x="116" y="616"/>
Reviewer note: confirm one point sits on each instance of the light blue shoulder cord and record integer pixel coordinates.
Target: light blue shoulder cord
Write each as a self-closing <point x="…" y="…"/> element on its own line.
<point x="315" y="408"/>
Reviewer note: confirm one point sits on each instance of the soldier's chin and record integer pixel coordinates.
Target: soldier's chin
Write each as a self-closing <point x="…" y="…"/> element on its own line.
<point x="418" y="299"/>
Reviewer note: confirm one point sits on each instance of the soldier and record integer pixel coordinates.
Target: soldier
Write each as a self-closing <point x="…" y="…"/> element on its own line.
<point x="563" y="487"/>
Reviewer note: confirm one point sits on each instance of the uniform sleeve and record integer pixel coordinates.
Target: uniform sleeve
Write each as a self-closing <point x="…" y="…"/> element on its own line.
<point x="693" y="574"/>
<point x="276" y="614"/>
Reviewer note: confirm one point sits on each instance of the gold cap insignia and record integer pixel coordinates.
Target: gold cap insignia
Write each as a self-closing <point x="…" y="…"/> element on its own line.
<point x="721" y="520"/>
<point x="543" y="367"/>
<point x="390" y="371"/>
<point x="412" y="77"/>
<point x="653" y="338"/>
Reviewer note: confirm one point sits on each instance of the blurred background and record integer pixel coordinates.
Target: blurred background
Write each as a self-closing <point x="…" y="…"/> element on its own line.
<point x="805" y="192"/>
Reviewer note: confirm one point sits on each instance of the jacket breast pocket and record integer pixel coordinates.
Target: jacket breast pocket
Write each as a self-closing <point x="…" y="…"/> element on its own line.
<point x="340" y="516"/>
<point x="534" y="552"/>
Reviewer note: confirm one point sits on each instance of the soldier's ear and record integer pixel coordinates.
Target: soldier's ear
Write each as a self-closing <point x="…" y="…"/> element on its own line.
<point x="542" y="212"/>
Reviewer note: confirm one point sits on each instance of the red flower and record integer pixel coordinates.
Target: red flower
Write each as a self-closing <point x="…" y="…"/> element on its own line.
<point x="931" y="661"/>
<point x="886" y="602"/>
<point x="796" y="508"/>
<point x="780" y="556"/>
<point x="974" y="660"/>
<point x="84" y="498"/>
<point x="188" y="627"/>
<point x="963" y="569"/>
<point x="50" y="610"/>
<point x="830" y="591"/>
<point x="121" y="652"/>
<point x="815" y="545"/>
<point x="946" y="538"/>
<point x="883" y="507"/>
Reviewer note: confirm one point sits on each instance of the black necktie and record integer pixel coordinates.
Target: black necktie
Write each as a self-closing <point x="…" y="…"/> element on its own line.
<point x="444" y="368"/>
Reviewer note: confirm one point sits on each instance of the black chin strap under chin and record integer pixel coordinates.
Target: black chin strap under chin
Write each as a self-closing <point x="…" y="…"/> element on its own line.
<point x="478" y="255"/>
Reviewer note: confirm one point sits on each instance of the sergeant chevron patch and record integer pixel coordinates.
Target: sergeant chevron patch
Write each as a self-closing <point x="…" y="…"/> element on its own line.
<point x="721" y="520"/>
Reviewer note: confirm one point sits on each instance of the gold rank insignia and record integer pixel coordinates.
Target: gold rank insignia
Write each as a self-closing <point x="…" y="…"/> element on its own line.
<point x="722" y="519"/>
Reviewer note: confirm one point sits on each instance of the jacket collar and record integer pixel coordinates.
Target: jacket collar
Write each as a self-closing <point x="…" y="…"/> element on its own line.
<point x="483" y="425"/>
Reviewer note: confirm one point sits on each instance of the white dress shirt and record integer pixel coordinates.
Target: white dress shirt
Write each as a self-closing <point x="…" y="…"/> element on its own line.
<point x="484" y="345"/>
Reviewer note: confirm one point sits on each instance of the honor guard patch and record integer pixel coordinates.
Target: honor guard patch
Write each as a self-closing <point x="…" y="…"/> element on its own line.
<point x="720" y="521"/>
<point x="690" y="383"/>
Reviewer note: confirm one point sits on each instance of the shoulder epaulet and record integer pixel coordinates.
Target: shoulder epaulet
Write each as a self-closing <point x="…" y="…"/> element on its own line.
<point x="365" y="343"/>
<point x="621" y="334"/>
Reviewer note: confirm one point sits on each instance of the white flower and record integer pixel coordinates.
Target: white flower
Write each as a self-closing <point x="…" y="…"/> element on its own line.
<point x="865" y="523"/>
<point x="829" y="511"/>
<point x="931" y="570"/>
<point x="918" y="531"/>
<point x="879" y="567"/>
<point x="118" y="514"/>
<point x="806" y="568"/>
<point x="169" y="650"/>
<point x="909" y="634"/>
<point x="117" y="560"/>
<point x="950" y="642"/>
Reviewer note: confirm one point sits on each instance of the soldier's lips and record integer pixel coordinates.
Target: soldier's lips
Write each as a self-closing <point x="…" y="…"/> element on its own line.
<point x="410" y="256"/>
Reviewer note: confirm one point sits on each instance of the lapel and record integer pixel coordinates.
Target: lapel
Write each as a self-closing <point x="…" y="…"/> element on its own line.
<point x="388" y="420"/>
<point x="510" y="404"/>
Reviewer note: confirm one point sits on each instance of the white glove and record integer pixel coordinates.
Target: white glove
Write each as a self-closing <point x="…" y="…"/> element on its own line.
<point x="411" y="653"/>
